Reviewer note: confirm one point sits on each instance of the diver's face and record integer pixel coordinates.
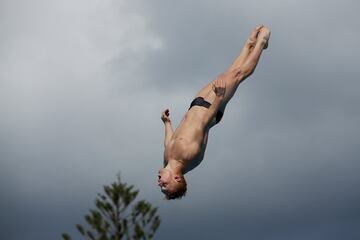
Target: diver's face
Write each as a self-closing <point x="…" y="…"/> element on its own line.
<point x="166" y="181"/>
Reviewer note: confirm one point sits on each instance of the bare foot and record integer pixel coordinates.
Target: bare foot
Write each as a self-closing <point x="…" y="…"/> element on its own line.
<point x="264" y="36"/>
<point x="251" y="41"/>
<point x="249" y="46"/>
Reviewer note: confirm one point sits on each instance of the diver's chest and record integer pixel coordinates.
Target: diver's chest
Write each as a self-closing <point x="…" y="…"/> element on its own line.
<point x="181" y="148"/>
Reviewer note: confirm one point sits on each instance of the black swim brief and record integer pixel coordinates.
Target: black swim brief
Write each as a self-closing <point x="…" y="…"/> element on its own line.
<point x="200" y="101"/>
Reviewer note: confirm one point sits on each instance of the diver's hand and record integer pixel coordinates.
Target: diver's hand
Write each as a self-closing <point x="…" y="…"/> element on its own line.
<point x="219" y="87"/>
<point x="165" y="116"/>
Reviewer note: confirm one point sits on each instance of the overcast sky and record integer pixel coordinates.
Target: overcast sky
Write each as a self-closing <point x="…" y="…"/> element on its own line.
<point x="83" y="83"/>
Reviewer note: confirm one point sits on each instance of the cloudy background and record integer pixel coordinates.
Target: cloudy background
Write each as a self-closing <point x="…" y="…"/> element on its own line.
<point x="83" y="83"/>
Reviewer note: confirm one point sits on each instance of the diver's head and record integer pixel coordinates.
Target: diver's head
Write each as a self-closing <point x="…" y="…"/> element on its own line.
<point x="173" y="185"/>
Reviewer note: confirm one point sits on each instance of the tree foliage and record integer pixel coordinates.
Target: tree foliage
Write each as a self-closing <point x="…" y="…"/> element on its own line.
<point x="116" y="217"/>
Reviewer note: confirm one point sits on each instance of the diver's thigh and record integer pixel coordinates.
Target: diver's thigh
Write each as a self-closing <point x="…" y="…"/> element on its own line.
<point x="205" y="90"/>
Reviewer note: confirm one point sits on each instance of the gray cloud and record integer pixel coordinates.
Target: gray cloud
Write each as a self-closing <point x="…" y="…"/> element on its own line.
<point x="83" y="83"/>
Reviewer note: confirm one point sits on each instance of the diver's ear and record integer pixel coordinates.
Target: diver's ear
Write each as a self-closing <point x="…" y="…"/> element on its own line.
<point x="177" y="178"/>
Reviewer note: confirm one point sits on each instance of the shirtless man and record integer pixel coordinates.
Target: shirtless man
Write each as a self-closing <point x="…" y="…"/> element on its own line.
<point x="185" y="148"/>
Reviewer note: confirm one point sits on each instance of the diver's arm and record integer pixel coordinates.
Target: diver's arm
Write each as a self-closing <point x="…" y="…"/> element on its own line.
<point x="213" y="108"/>
<point x="219" y="88"/>
<point x="168" y="128"/>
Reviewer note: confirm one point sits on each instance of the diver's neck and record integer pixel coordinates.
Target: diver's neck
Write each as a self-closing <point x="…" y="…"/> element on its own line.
<point x="176" y="166"/>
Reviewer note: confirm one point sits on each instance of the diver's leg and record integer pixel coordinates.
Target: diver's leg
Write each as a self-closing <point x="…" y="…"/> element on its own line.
<point x="246" y="50"/>
<point x="235" y="75"/>
<point x="250" y="63"/>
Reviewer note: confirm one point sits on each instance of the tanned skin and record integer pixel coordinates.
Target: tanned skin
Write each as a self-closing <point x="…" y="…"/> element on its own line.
<point x="185" y="147"/>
